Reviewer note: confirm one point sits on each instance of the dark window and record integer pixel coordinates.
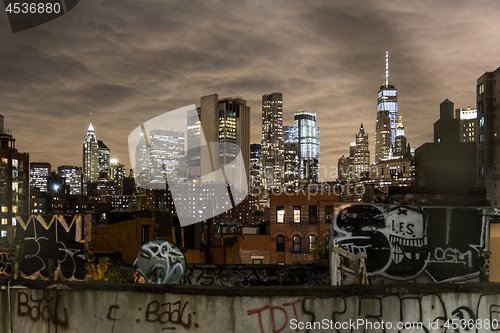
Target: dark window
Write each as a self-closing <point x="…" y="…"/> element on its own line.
<point x="145" y="233"/>
<point x="280" y="243"/>
<point x="296" y="243"/>
<point x="328" y="214"/>
<point x="313" y="214"/>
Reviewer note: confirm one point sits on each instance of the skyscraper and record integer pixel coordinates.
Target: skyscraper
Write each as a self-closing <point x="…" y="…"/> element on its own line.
<point x="72" y="177"/>
<point x="255" y="162"/>
<point x="400" y="148"/>
<point x="361" y="153"/>
<point x="95" y="158"/>
<point x="387" y="101"/>
<point x="141" y="165"/>
<point x="90" y="166"/>
<point x="488" y="110"/>
<point x="103" y="156"/>
<point x="225" y="121"/>
<point x="272" y="140"/>
<point x="118" y="171"/>
<point x="166" y="156"/>
<point x="39" y="172"/>
<point x="308" y="146"/>
<point x="383" y="142"/>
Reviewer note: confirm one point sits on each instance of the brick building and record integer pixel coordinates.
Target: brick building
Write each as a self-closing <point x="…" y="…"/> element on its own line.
<point x="298" y="221"/>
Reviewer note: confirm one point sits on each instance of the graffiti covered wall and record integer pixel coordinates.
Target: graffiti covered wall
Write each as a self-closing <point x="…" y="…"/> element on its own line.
<point x="414" y="244"/>
<point x="256" y="275"/>
<point x="115" y="308"/>
<point x="53" y="247"/>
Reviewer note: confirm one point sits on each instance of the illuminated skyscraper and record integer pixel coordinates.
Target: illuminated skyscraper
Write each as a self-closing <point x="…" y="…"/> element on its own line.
<point x="400" y="146"/>
<point x="361" y="153"/>
<point x="272" y="140"/>
<point x="222" y="120"/>
<point x="103" y="156"/>
<point x="193" y="153"/>
<point x="166" y="156"/>
<point x="72" y="177"/>
<point x="90" y="158"/>
<point x="118" y="171"/>
<point x="141" y="162"/>
<point x="95" y="158"/>
<point x="308" y="146"/>
<point x="382" y="136"/>
<point x="387" y="101"/>
<point x="39" y="172"/>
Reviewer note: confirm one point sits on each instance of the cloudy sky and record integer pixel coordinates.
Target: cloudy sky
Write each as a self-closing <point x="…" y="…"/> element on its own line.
<point x="127" y="61"/>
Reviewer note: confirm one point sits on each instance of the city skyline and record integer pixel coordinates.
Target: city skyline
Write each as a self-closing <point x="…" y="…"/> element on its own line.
<point x="126" y="63"/>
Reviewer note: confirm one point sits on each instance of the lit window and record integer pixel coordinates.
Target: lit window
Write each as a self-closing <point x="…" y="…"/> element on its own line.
<point x="296" y="214"/>
<point x="280" y="214"/>
<point x="312" y="241"/>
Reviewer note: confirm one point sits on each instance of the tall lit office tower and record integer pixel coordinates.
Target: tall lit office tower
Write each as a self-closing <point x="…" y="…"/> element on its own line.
<point x="468" y="124"/>
<point x="39" y="171"/>
<point x="383" y="142"/>
<point x="90" y="158"/>
<point x="388" y="101"/>
<point x="255" y="160"/>
<point x="291" y="158"/>
<point x="103" y="156"/>
<point x="118" y="171"/>
<point x="272" y="140"/>
<point x="488" y="110"/>
<point x="225" y="121"/>
<point x="361" y="153"/>
<point x="72" y="177"/>
<point x="167" y="156"/>
<point x="401" y="142"/>
<point x="308" y="146"/>
<point x="141" y="165"/>
<point x="193" y="153"/>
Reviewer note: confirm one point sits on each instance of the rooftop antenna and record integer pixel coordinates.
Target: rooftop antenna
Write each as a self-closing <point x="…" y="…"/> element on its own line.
<point x="91" y="117"/>
<point x="387" y="67"/>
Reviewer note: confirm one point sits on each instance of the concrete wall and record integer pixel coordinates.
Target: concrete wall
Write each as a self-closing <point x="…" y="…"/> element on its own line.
<point x="85" y="307"/>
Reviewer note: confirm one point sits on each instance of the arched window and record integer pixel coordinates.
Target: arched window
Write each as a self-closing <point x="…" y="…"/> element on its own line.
<point x="280" y="243"/>
<point x="296" y="243"/>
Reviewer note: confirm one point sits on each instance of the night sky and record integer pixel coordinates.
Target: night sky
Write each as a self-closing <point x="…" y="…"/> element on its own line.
<point x="128" y="61"/>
